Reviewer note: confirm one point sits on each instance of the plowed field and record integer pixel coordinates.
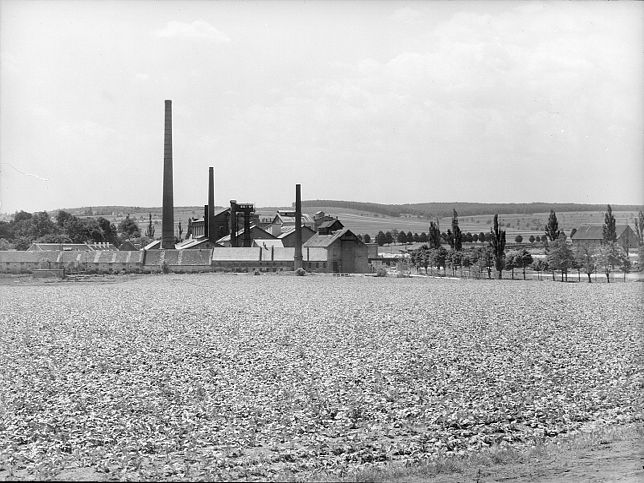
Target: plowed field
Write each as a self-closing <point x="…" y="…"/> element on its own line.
<point x="257" y="377"/>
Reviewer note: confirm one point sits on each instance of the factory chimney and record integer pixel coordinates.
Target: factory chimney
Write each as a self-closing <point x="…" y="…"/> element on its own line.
<point x="298" y="228"/>
<point x="211" y="204"/>
<point x="167" y="229"/>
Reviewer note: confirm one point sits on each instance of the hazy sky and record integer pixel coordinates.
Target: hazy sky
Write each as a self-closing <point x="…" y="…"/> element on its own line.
<point x="383" y="101"/>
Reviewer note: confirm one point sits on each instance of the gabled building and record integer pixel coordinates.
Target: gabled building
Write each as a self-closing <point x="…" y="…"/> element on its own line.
<point x="346" y="253"/>
<point x="284" y="220"/>
<point x="256" y="233"/>
<point x="288" y="237"/>
<point x="330" y="226"/>
<point x="587" y="235"/>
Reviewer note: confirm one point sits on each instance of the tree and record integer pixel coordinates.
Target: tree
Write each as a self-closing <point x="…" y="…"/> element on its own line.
<point x="639" y="228"/>
<point x="518" y="238"/>
<point x="149" y="231"/>
<point x="552" y="227"/>
<point x="381" y="238"/>
<point x="21" y="216"/>
<point x="63" y="219"/>
<point x="108" y="230"/>
<point x="5" y="245"/>
<point x="468" y="237"/>
<point x="402" y="237"/>
<point x="586" y="258"/>
<point x="531" y="239"/>
<point x="509" y="262"/>
<point x="523" y="260"/>
<point x="475" y="237"/>
<point x="560" y="257"/>
<point x="539" y="265"/>
<point x="537" y="238"/>
<point x="129" y="228"/>
<point x="610" y="256"/>
<point x="410" y="237"/>
<point x="389" y="239"/>
<point x="482" y="237"/>
<point x="438" y="257"/>
<point x="416" y="238"/>
<point x="498" y="246"/>
<point x="608" y="230"/>
<point x="366" y="238"/>
<point x="423" y="238"/>
<point x="434" y="235"/>
<point x="483" y="258"/>
<point x="457" y="236"/>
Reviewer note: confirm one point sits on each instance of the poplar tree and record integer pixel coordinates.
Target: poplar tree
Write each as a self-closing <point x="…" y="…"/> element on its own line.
<point x="456" y="233"/>
<point x="552" y="227"/>
<point x="498" y="246"/>
<point x="434" y="235"/>
<point x="608" y="230"/>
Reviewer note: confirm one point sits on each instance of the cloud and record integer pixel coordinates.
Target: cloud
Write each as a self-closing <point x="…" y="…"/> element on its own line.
<point x="195" y="30"/>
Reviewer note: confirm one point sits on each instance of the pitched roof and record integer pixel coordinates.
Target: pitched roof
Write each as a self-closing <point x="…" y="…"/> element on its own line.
<point x="595" y="232"/>
<point x="329" y="224"/>
<point x="267" y="242"/>
<point x="254" y="230"/>
<point x="288" y="231"/>
<point x="324" y="241"/>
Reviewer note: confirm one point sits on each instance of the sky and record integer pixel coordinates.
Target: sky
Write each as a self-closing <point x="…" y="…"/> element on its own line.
<point x="383" y="101"/>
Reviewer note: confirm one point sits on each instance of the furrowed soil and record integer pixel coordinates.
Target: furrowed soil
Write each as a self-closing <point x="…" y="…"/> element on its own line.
<point x="241" y="377"/>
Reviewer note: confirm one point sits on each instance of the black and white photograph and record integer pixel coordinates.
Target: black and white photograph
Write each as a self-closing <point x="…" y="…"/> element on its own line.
<point x="316" y="240"/>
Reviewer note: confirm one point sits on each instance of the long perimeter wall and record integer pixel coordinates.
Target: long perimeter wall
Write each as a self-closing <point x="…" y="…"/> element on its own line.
<point x="216" y="259"/>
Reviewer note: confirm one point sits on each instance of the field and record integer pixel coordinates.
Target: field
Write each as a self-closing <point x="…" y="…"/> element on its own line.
<point x="274" y="376"/>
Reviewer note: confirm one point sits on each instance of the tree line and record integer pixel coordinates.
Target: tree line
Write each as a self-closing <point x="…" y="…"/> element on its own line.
<point x="26" y="228"/>
<point x="493" y="257"/>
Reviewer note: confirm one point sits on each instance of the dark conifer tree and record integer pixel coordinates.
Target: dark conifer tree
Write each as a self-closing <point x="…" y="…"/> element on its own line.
<point x="498" y="246"/>
<point x="608" y="230"/>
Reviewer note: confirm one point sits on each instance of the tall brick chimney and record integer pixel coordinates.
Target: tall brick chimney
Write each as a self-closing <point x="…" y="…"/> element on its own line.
<point x="167" y="227"/>
<point x="211" y="204"/>
<point x="297" y="259"/>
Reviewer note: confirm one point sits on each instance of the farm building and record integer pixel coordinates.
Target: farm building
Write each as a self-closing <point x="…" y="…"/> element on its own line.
<point x="346" y="253"/>
<point x="328" y="227"/>
<point x="587" y="235"/>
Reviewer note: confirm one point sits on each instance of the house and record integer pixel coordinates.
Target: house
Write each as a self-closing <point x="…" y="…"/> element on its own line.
<point x="346" y="253"/>
<point x="320" y="217"/>
<point x="590" y="235"/>
<point x="288" y="237"/>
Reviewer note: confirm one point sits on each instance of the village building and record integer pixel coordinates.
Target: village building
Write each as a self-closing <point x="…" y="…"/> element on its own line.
<point x="284" y="221"/>
<point x="593" y="235"/>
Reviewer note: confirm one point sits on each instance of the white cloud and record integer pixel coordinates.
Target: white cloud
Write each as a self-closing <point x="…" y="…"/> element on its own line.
<point x="195" y="30"/>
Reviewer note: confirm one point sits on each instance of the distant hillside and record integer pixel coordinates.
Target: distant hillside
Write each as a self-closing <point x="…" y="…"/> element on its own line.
<point x="439" y="210"/>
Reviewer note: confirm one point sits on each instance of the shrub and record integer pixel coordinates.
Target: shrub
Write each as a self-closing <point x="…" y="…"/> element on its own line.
<point x="300" y="272"/>
<point x="381" y="272"/>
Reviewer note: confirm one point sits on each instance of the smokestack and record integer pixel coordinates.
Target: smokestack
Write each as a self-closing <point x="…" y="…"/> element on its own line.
<point x="233" y="223"/>
<point x="298" y="228"/>
<point x="211" y="203"/>
<point x="167" y="230"/>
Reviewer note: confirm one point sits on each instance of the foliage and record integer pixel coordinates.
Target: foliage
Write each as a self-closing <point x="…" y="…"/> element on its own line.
<point x="531" y="239"/>
<point x="457" y="236"/>
<point x="366" y="238"/>
<point x="381" y="272"/>
<point x="498" y="246"/>
<point x="149" y="231"/>
<point x="586" y="258"/>
<point x="381" y="238"/>
<point x="639" y="228"/>
<point x="552" y="227"/>
<point x="608" y="230"/>
<point x="402" y="237"/>
<point x="518" y="239"/>
<point x="389" y="238"/>
<point x="434" y="235"/>
<point x="611" y="256"/>
<point x="300" y="272"/>
<point x="129" y="228"/>
<point x="560" y="257"/>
